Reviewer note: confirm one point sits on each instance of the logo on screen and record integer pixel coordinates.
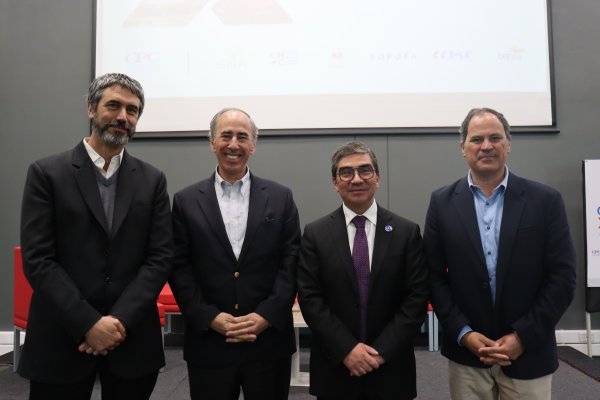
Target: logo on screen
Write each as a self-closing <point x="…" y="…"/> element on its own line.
<point x="282" y="58"/>
<point x="513" y="54"/>
<point x="595" y="252"/>
<point x="452" y="54"/>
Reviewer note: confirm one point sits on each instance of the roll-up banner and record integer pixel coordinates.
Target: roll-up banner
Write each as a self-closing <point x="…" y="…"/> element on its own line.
<point x="591" y="195"/>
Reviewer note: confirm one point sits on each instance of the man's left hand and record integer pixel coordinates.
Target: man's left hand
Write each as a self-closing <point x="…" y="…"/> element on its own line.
<point x="250" y="333"/>
<point x="507" y="346"/>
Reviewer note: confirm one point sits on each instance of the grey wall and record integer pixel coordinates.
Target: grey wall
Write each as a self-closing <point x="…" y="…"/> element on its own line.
<point x="45" y="66"/>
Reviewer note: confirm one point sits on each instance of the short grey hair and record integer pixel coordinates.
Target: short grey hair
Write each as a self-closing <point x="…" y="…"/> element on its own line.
<point x="215" y="120"/>
<point x="101" y="83"/>
<point x="475" y="112"/>
<point x="347" y="150"/>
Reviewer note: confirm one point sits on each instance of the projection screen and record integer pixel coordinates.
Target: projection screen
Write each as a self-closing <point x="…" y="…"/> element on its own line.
<point x="319" y="65"/>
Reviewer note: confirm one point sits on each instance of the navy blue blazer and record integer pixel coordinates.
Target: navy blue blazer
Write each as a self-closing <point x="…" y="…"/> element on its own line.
<point x="535" y="272"/>
<point x="79" y="270"/>
<point x="207" y="278"/>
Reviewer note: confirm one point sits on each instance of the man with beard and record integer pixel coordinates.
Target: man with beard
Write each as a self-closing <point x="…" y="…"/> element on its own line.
<point x="96" y="238"/>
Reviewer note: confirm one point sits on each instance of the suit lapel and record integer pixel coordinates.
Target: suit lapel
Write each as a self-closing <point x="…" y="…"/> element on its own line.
<point x="383" y="239"/>
<point x="209" y="206"/>
<point x="126" y="187"/>
<point x="514" y="203"/>
<point x="463" y="201"/>
<point x="259" y="197"/>
<point x="88" y="186"/>
<point x="339" y="234"/>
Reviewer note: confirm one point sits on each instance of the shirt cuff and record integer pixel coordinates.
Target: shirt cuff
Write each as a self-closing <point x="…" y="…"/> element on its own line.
<point x="463" y="332"/>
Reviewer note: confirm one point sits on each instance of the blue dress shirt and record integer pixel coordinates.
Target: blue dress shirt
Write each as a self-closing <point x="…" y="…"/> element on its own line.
<point x="489" y="219"/>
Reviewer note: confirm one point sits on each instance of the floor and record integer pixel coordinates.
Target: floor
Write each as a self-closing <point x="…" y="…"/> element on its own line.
<point x="568" y="383"/>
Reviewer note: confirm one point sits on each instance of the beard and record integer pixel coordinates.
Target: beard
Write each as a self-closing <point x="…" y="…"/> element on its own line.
<point x="111" y="139"/>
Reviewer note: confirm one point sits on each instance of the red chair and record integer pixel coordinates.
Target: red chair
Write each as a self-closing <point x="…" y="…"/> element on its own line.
<point x="21" y="298"/>
<point x="161" y="314"/>
<point x="167" y="299"/>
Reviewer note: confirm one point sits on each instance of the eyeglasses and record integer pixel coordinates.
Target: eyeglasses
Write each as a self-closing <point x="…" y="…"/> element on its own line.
<point x="365" y="172"/>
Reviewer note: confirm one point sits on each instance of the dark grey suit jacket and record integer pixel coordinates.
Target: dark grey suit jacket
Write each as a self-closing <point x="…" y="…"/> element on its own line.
<point x="79" y="271"/>
<point x="535" y="278"/>
<point x="207" y="278"/>
<point x="397" y="304"/>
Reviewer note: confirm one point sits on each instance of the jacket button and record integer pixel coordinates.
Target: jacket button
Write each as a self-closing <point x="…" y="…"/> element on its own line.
<point x="236" y="275"/>
<point x="486" y="285"/>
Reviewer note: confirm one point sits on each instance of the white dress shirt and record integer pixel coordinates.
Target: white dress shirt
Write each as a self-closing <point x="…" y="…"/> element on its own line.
<point x="234" y="201"/>
<point x="99" y="162"/>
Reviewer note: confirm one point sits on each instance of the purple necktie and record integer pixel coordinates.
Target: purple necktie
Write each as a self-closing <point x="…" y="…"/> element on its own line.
<point x="360" y="257"/>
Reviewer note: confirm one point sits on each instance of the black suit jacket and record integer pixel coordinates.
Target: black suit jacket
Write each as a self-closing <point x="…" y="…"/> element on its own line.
<point x="535" y="278"/>
<point x="79" y="271"/>
<point x="397" y="304"/>
<point x="207" y="278"/>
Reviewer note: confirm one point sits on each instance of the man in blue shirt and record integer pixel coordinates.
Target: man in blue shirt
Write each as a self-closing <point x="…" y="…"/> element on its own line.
<point x="502" y="270"/>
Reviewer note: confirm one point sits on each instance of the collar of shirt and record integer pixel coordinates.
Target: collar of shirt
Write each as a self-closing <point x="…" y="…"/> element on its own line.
<point x="504" y="182"/>
<point x="234" y="210"/>
<point x="370" y="223"/>
<point x="370" y="214"/>
<point x="245" y="189"/>
<point x="99" y="162"/>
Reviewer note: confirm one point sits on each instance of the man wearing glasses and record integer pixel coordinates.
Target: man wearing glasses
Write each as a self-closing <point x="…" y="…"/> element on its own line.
<point x="362" y="289"/>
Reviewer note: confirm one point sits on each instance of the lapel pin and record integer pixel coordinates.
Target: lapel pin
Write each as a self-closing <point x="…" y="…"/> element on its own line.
<point x="388" y="228"/>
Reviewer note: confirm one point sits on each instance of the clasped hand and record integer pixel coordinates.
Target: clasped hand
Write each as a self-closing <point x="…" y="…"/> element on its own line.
<point x="106" y="334"/>
<point x="500" y="352"/>
<point x="362" y="360"/>
<point x="245" y="328"/>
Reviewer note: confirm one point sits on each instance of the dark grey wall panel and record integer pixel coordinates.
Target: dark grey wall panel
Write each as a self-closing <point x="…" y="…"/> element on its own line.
<point x="45" y="60"/>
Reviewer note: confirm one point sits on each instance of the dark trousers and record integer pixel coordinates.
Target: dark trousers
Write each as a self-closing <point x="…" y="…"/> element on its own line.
<point x="365" y="397"/>
<point x="365" y="390"/>
<point x="258" y="381"/>
<point x="113" y="388"/>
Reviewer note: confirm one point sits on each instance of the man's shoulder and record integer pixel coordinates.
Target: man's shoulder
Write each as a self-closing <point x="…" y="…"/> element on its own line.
<point x="450" y="188"/>
<point x="386" y="215"/>
<point x="65" y="155"/>
<point x="58" y="165"/>
<point x="326" y="219"/>
<point x="141" y="164"/>
<point x="268" y="184"/>
<point x="195" y="187"/>
<point x="530" y="186"/>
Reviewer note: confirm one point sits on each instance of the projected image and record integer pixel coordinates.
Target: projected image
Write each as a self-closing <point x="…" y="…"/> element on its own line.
<point x="150" y="13"/>
<point x="348" y="64"/>
<point x="248" y="12"/>
<point x="179" y="13"/>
